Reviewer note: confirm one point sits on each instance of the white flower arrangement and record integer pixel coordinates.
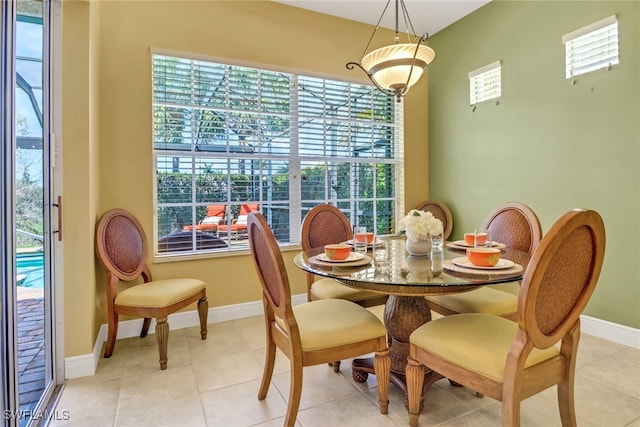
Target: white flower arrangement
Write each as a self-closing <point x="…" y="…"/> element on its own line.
<point x="419" y="225"/>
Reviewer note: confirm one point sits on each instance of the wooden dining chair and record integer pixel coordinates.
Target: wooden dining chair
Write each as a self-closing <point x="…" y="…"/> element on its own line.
<point x="511" y="361"/>
<point x="518" y="227"/>
<point x="314" y="332"/>
<point x="326" y="224"/>
<point x="440" y="211"/>
<point x="121" y="246"/>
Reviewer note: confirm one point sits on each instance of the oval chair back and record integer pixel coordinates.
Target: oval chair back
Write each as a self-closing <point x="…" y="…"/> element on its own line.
<point x="516" y="225"/>
<point x="440" y="211"/>
<point x="122" y="245"/>
<point x="561" y="277"/>
<point x="323" y="225"/>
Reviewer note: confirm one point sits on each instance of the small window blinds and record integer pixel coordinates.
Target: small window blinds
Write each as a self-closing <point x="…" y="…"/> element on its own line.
<point x="485" y="83"/>
<point x="592" y="47"/>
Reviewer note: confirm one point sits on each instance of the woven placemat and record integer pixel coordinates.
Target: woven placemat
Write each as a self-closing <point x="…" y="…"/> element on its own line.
<point x="364" y="261"/>
<point x="449" y="265"/>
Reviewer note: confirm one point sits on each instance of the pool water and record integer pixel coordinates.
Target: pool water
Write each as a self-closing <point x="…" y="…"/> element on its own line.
<point x="30" y="270"/>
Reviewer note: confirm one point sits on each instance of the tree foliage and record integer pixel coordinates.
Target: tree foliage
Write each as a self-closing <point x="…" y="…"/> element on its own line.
<point x="29" y="200"/>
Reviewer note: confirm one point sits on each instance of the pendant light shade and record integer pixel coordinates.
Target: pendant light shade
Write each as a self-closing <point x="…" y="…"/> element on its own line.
<point x="393" y="69"/>
<point x="395" y="66"/>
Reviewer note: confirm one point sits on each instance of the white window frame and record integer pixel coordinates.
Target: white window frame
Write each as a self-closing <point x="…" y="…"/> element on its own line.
<point x="295" y="184"/>
<point x="485" y="83"/>
<point x="592" y="47"/>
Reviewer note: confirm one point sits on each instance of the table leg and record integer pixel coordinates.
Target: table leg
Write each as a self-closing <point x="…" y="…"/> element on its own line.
<point x="402" y="316"/>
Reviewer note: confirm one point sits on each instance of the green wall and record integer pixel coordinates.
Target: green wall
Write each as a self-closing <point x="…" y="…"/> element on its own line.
<point x="550" y="144"/>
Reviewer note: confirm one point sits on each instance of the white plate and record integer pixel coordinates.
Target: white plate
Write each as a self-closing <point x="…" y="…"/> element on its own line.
<point x="353" y="256"/>
<point x="369" y="245"/>
<point x="460" y="244"/>
<point x="464" y="262"/>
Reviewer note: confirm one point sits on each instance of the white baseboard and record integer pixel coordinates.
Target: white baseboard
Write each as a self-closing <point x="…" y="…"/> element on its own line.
<point x="610" y="331"/>
<point x="85" y="365"/>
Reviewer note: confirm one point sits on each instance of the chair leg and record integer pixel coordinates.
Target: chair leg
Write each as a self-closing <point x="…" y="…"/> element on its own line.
<point x="295" y="392"/>
<point x="510" y="410"/>
<point x="203" y="309"/>
<point x="382" y="368"/>
<point x="270" y="358"/>
<point x="111" y="335"/>
<point x="566" y="400"/>
<point x="145" y="327"/>
<point x="566" y="405"/>
<point x="162" y="335"/>
<point x="415" y="380"/>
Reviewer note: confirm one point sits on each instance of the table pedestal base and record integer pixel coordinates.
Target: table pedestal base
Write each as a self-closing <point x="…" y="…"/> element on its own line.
<point x="402" y="316"/>
<point x="363" y="367"/>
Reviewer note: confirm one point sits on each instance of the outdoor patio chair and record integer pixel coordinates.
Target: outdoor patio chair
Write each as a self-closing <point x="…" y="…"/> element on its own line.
<point x="215" y="214"/>
<point x="239" y="225"/>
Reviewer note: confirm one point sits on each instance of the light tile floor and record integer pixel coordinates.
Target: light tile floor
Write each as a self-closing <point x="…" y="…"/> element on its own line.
<point x="215" y="383"/>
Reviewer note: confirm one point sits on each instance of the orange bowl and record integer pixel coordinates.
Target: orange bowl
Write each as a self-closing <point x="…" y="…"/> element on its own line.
<point x="483" y="257"/>
<point x="337" y="252"/>
<point x="469" y="238"/>
<point x="361" y="237"/>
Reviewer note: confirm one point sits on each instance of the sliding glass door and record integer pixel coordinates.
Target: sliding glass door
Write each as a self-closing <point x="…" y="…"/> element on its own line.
<point x="27" y="255"/>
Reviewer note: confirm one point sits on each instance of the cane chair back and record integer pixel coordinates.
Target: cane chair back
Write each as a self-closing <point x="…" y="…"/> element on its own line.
<point x="440" y="211"/>
<point x="511" y="361"/>
<point x="516" y="225"/>
<point x="306" y="334"/>
<point x="323" y="225"/>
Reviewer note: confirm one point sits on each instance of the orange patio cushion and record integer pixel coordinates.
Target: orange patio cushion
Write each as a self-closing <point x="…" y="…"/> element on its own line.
<point x="234" y="227"/>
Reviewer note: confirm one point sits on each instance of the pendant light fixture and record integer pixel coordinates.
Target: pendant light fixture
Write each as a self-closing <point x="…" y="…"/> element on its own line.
<point x="395" y="68"/>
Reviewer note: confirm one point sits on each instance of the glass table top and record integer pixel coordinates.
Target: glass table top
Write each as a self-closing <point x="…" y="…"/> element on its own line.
<point x="443" y="271"/>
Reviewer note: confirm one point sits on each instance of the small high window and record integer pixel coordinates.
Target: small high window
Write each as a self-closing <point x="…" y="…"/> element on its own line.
<point x="592" y="47"/>
<point x="485" y="83"/>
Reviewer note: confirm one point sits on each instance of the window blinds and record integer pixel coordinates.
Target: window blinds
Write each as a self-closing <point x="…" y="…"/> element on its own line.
<point x="227" y="134"/>
<point x="592" y="47"/>
<point x="485" y="83"/>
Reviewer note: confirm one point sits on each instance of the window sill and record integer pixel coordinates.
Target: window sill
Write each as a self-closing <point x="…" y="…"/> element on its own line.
<point x="191" y="256"/>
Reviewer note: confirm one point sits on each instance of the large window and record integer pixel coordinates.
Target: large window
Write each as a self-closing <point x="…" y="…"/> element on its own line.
<point x="229" y="139"/>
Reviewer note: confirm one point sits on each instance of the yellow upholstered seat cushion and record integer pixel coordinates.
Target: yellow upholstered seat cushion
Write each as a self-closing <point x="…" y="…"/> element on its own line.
<point x="159" y="293"/>
<point x="481" y="300"/>
<point x="478" y="342"/>
<point x="378" y="311"/>
<point x="330" y="289"/>
<point x="334" y="322"/>
<point x="511" y="287"/>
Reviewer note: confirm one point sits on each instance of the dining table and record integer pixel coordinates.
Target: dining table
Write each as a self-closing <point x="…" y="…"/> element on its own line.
<point x="407" y="279"/>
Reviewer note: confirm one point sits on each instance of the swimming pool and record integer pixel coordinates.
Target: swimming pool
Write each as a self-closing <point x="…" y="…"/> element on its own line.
<point x="31" y="266"/>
